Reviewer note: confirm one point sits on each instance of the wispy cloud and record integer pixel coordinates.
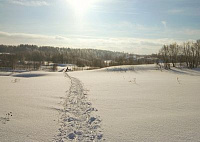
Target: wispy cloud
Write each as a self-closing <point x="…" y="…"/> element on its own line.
<point x="116" y="6"/>
<point x="186" y="11"/>
<point x="30" y="2"/>
<point x="164" y="23"/>
<point x="175" y="11"/>
<point x="190" y="32"/>
<point x="133" y="26"/>
<point x="27" y="36"/>
<point x="131" y="45"/>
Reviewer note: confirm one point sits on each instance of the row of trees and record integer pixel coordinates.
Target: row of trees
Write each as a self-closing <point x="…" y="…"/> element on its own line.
<point x="188" y="53"/>
<point x="10" y="56"/>
<point x="85" y="57"/>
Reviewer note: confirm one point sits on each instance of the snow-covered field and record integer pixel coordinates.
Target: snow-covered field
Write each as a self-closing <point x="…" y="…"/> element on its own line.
<point x="117" y="104"/>
<point x="145" y="104"/>
<point x="34" y="100"/>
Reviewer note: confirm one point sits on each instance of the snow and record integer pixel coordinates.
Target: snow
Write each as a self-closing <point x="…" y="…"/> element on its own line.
<point x="145" y="104"/>
<point x="34" y="100"/>
<point x="124" y="103"/>
<point x="79" y="121"/>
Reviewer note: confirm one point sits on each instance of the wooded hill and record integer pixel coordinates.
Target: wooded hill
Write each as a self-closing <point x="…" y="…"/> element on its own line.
<point x="12" y="55"/>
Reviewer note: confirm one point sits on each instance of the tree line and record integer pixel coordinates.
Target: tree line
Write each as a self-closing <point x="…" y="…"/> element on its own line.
<point x="186" y="54"/>
<point x="10" y="56"/>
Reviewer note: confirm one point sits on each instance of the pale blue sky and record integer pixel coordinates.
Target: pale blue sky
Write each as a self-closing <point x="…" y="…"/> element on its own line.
<point x="134" y="26"/>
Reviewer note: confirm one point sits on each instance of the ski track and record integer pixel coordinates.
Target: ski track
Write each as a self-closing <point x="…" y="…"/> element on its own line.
<point x="78" y="121"/>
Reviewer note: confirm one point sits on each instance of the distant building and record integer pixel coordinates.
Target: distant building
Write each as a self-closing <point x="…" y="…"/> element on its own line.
<point x="108" y="62"/>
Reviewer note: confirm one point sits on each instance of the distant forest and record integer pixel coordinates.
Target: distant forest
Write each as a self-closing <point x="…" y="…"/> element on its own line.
<point x="31" y="57"/>
<point x="13" y="56"/>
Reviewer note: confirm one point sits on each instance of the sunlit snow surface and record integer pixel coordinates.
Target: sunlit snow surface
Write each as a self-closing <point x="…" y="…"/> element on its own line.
<point x="142" y="103"/>
<point x="132" y="103"/>
<point x="34" y="98"/>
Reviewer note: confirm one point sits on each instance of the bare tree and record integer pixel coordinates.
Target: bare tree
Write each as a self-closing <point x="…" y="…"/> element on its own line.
<point x="188" y="53"/>
<point x="173" y="52"/>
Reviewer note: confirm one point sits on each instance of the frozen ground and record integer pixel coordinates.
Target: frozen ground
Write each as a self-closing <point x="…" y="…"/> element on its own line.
<point x="79" y="121"/>
<point x="117" y="104"/>
<point x="34" y="100"/>
<point x="142" y="103"/>
<point x="42" y="106"/>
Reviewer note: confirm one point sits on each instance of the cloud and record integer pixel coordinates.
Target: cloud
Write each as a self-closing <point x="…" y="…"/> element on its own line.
<point x="133" y="26"/>
<point x="23" y="35"/>
<point x="164" y="23"/>
<point x="114" y="8"/>
<point x="175" y="11"/>
<point x="131" y="45"/>
<point x="190" y="32"/>
<point x="186" y="11"/>
<point x="60" y="38"/>
<point x="29" y="2"/>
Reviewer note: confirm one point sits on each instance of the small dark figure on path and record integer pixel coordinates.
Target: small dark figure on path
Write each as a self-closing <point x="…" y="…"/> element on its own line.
<point x="67" y="69"/>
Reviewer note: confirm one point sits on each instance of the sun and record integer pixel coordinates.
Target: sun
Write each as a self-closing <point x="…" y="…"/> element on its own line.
<point x="80" y="6"/>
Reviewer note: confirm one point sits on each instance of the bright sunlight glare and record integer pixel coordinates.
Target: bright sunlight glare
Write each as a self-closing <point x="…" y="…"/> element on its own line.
<point x="80" y="6"/>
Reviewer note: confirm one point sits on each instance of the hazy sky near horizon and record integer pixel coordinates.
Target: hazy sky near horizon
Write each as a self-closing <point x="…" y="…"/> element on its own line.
<point x="134" y="26"/>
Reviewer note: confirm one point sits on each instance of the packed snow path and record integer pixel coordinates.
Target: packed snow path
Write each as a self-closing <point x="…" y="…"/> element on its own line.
<point x="78" y="120"/>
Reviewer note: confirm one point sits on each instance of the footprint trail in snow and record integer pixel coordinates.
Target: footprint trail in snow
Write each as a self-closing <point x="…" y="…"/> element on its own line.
<point x="78" y="121"/>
